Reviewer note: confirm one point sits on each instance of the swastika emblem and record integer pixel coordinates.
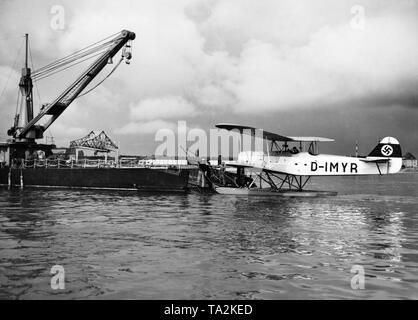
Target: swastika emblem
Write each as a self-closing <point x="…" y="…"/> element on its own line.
<point x="386" y="150"/>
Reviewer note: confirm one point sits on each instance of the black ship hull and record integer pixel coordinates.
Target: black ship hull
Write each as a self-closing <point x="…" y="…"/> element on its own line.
<point x="146" y="179"/>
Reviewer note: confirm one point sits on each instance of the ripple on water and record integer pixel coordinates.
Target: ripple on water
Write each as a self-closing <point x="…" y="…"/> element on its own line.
<point x="153" y="246"/>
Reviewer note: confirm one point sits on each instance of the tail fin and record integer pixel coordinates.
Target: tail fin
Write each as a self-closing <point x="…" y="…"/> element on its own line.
<point x="387" y="148"/>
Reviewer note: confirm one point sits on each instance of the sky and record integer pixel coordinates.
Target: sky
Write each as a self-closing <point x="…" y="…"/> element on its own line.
<point x="341" y="69"/>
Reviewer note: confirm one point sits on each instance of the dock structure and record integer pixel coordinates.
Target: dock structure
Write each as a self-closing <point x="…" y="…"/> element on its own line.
<point x="97" y="142"/>
<point x="409" y="161"/>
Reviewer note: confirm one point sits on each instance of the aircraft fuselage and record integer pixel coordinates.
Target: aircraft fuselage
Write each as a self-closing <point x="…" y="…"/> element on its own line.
<point x="306" y="164"/>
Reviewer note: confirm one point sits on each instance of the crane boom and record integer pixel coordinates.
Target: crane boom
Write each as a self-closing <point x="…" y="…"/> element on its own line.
<point x="32" y="130"/>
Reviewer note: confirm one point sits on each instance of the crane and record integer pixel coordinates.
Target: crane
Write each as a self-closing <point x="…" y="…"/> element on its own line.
<point x="26" y="127"/>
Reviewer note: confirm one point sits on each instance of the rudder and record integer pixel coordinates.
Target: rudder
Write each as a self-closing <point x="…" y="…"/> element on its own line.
<point x="388" y="147"/>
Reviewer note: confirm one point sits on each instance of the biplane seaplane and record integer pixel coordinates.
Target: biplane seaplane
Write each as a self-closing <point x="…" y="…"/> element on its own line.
<point x="287" y="163"/>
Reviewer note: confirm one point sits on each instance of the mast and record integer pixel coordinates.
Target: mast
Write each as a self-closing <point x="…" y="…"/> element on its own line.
<point x="26" y="55"/>
<point x="356" y="148"/>
<point x="25" y="114"/>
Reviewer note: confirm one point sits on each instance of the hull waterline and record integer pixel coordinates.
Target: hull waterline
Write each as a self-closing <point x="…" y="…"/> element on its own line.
<point x="144" y="179"/>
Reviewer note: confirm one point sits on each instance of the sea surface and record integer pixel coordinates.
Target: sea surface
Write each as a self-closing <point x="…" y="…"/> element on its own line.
<point x="127" y="245"/>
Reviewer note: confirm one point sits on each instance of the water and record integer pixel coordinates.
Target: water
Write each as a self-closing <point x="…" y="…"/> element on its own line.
<point x="127" y="245"/>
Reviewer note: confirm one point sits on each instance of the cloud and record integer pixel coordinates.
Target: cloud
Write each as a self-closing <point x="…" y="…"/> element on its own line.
<point x="8" y="99"/>
<point x="63" y="133"/>
<point x="149" y="127"/>
<point x="147" y="116"/>
<point x="243" y="56"/>
<point x="213" y="77"/>
<point x="338" y="64"/>
<point x="227" y="59"/>
<point x="162" y="108"/>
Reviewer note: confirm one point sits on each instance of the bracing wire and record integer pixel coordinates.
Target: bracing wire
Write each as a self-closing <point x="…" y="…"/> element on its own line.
<point x="39" y="73"/>
<point x="62" y="64"/>
<point x="72" y="65"/>
<point x="77" y="52"/>
<point x="35" y="81"/>
<point x="17" y="102"/>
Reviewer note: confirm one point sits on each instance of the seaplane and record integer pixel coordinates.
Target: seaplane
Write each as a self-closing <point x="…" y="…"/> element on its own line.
<point x="285" y="164"/>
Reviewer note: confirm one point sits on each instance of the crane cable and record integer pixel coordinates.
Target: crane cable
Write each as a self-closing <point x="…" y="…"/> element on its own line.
<point x="72" y="65"/>
<point x="126" y="54"/>
<point x="75" y="53"/>
<point x="41" y="74"/>
<point x="58" y="65"/>
<point x="98" y="84"/>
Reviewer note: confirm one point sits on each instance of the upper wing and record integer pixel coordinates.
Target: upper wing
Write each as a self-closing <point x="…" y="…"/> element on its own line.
<point x="270" y="135"/>
<point x="310" y="139"/>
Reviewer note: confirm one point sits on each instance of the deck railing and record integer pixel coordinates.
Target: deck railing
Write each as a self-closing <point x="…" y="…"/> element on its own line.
<point x="98" y="163"/>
